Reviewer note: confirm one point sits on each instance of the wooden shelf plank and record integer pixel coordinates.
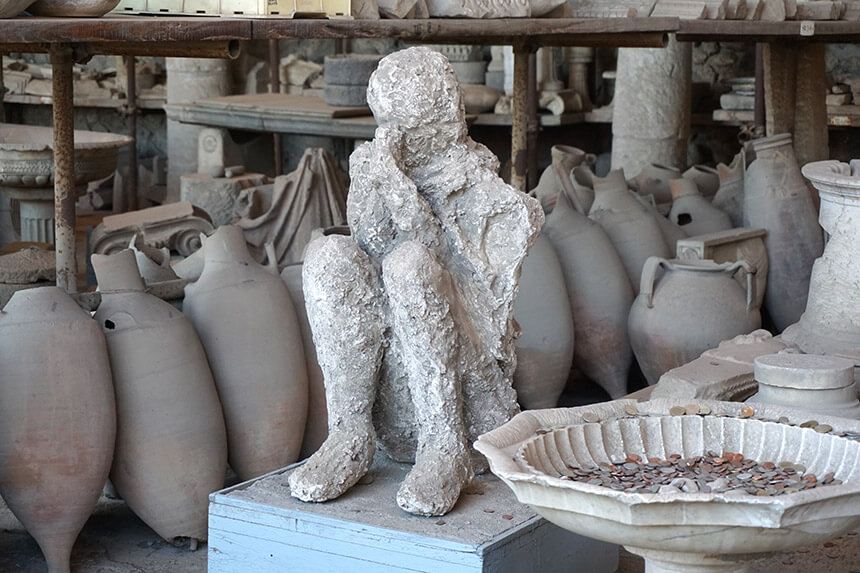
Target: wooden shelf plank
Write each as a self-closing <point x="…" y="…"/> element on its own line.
<point x="154" y="103"/>
<point x="120" y="29"/>
<point x="539" y="31"/>
<point x="760" y="31"/>
<point x="837" y="116"/>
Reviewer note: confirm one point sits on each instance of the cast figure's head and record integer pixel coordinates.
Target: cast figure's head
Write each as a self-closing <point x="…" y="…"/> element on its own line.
<point x="414" y="88"/>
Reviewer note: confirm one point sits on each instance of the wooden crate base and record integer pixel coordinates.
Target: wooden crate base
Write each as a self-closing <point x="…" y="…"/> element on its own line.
<point x="256" y="526"/>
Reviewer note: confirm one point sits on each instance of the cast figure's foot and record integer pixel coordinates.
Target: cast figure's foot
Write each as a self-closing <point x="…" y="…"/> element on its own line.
<point x="433" y="485"/>
<point x="341" y="461"/>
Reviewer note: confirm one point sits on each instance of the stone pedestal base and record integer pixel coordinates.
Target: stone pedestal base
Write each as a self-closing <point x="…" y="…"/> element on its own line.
<point x="258" y="526"/>
<point x="672" y="562"/>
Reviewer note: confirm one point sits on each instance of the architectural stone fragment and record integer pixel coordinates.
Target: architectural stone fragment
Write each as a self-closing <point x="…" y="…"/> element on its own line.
<point x="652" y="106"/>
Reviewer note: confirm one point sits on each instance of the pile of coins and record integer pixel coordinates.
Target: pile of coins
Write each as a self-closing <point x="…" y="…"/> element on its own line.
<point x="726" y="472"/>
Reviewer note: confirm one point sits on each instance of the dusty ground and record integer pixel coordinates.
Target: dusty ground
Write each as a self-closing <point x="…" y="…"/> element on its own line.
<point x="114" y="540"/>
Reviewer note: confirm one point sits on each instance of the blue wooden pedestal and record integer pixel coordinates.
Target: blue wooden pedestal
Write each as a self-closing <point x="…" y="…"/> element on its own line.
<point x="258" y="527"/>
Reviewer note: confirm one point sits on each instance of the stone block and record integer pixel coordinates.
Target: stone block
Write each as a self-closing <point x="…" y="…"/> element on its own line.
<point x="742" y="243"/>
<point x="722" y="373"/>
<point x="838" y="99"/>
<point x="737" y="102"/>
<point x="257" y="526"/>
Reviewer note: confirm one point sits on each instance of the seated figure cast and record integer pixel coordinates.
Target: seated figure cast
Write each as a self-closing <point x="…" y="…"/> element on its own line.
<point x="412" y="314"/>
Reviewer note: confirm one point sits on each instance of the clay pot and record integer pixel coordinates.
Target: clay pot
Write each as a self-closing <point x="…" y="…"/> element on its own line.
<point x="171" y="446"/>
<point x="690" y="307"/>
<point x="248" y="326"/>
<point x="545" y="347"/>
<point x="582" y="181"/>
<point x="479" y="98"/>
<point x="73" y="8"/>
<point x="153" y="264"/>
<point x="730" y="196"/>
<point x="57" y="417"/>
<point x="776" y="199"/>
<point x="600" y="296"/>
<point x="831" y="322"/>
<point x="557" y="176"/>
<point x="630" y="225"/>
<point x="654" y="180"/>
<point x="671" y="232"/>
<point x="694" y="213"/>
<point x="11" y="8"/>
<point x="316" y="427"/>
<point x="707" y="180"/>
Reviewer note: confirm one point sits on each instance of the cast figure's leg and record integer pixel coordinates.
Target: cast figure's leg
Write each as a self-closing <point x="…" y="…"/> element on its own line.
<point x="343" y="295"/>
<point x="423" y="305"/>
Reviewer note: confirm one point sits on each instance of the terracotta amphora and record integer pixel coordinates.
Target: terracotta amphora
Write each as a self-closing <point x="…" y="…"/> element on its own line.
<point x="689" y="307"/>
<point x="171" y="445"/>
<point x="600" y="296"/>
<point x="247" y="323"/>
<point x="777" y="200"/>
<point x="316" y="427"/>
<point x="707" y="180"/>
<point x="671" y="232"/>
<point x="654" y="180"/>
<point x="831" y="322"/>
<point x="694" y="213"/>
<point x="630" y="226"/>
<point x="730" y="195"/>
<point x="545" y="347"/>
<point x="557" y="176"/>
<point x="57" y="417"/>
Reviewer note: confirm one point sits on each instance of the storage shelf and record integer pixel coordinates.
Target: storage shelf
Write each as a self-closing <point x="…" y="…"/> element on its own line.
<point x="837" y="116"/>
<point x="149" y="103"/>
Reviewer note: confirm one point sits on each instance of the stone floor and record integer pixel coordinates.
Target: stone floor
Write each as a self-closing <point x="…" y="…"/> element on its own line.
<point x="115" y="541"/>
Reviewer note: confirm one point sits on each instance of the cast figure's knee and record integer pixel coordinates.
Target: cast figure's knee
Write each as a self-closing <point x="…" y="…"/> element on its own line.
<point x="411" y="266"/>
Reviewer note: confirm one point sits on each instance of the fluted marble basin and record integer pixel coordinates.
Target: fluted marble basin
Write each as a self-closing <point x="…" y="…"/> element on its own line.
<point x="27" y="157"/>
<point x="27" y="171"/>
<point x="680" y="531"/>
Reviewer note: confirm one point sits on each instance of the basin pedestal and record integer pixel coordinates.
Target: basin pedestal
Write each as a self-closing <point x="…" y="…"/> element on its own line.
<point x="673" y="562"/>
<point x="37" y="211"/>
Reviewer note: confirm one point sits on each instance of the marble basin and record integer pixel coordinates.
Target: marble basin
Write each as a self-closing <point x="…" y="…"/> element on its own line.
<point x="27" y="157"/>
<point x="680" y="531"/>
<point x="27" y="171"/>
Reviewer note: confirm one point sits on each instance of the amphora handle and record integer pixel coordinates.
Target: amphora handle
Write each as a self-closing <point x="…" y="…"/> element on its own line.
<point x="751" y="271"/>
<point x="649" y="274"/>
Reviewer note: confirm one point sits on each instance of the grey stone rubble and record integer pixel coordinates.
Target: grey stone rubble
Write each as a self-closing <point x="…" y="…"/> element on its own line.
<point x="412" y="315"/>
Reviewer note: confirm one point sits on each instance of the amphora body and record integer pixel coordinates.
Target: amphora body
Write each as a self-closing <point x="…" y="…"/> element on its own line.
<point x="600" y="296"/>
<point x="545" y="347"/>
<point x="171" y="447"/>
<point x="630" y="226"/>
<point x="777" y="200"/>
<point x="57" y="417"/>
<point x="689" y="307"/>
<point x="248" y="326"/>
